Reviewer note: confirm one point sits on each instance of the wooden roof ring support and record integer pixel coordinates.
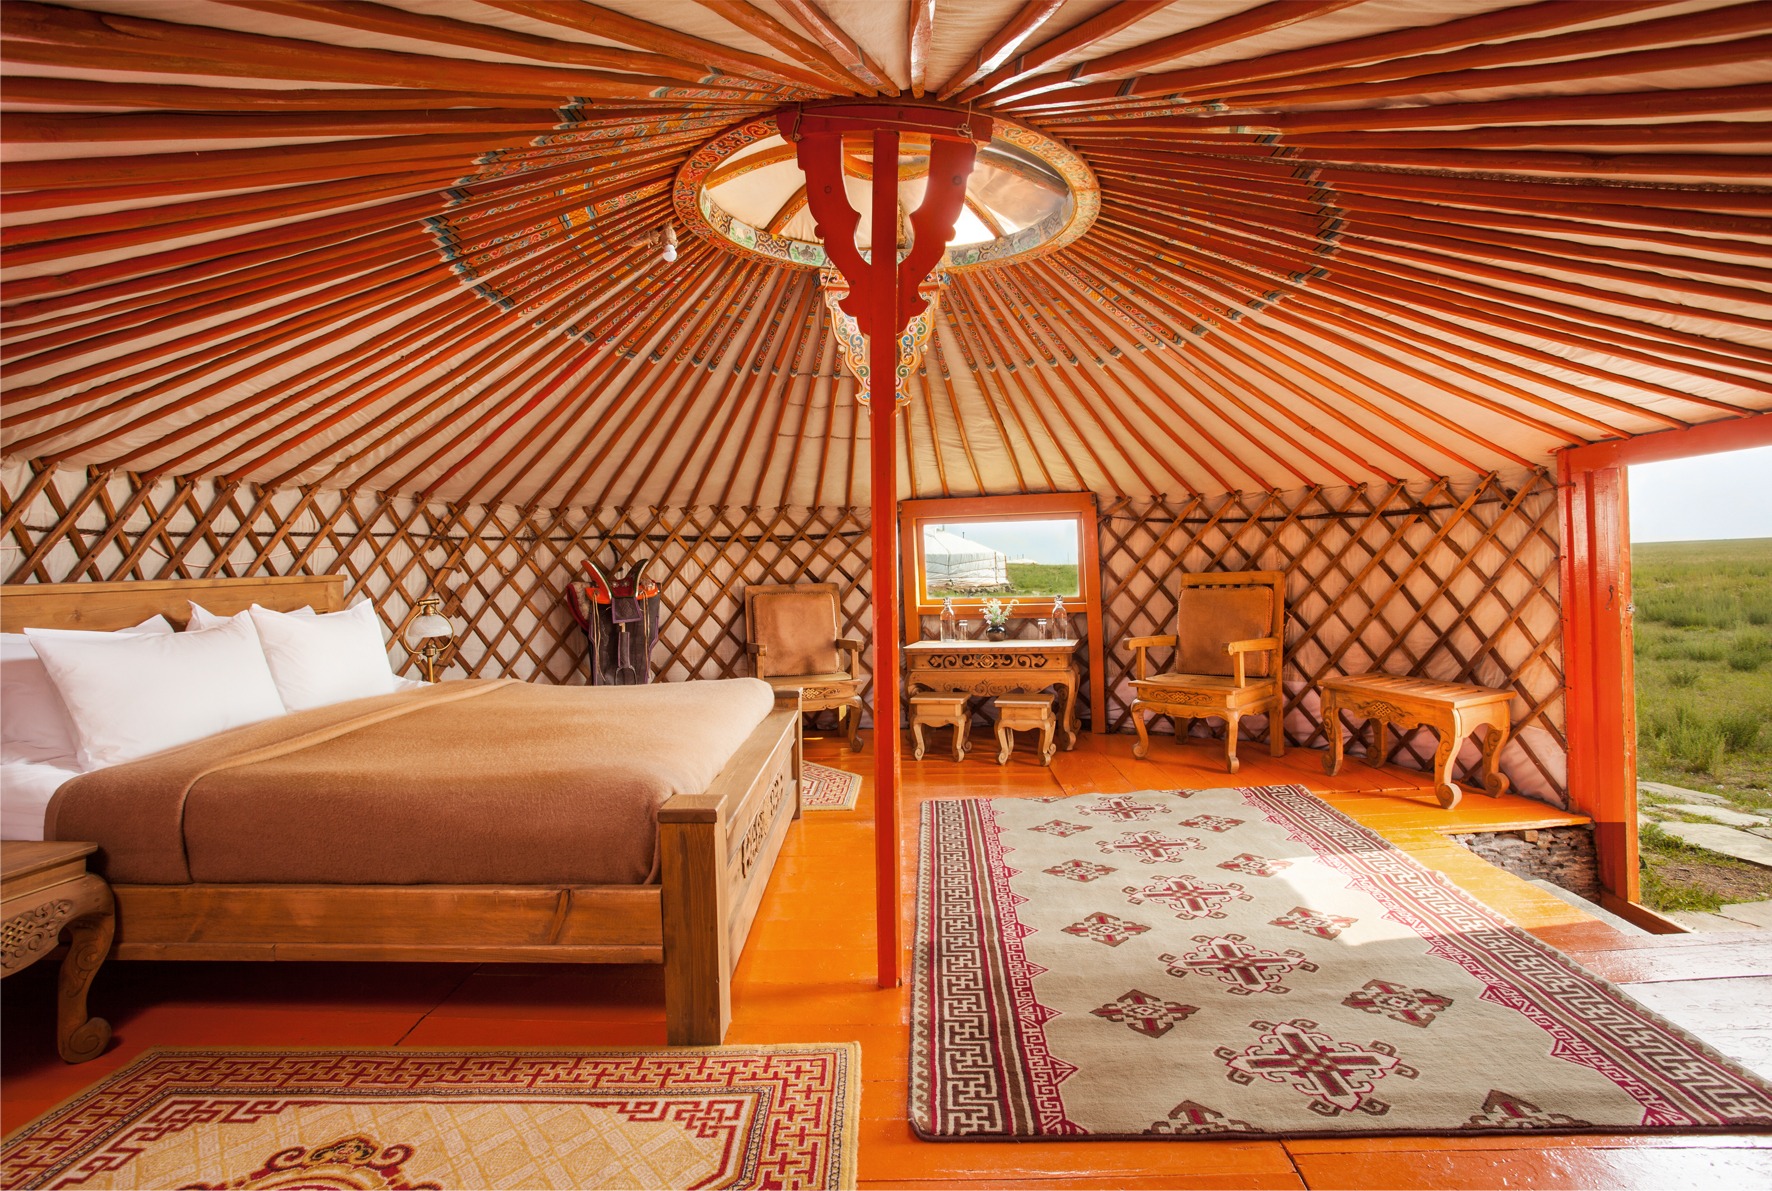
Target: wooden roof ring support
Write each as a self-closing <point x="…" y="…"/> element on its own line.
<point x="1599" y="679"/>
<point x="882" y="299"/>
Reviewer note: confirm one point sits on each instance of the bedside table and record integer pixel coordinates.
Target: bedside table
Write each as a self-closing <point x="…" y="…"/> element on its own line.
<point x="45" y="889"/>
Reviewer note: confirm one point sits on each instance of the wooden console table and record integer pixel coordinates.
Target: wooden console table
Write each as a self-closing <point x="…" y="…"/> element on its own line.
<point x="1451" y="709"/>
<point x="1000" y="668"/>
<point x="45" y="889"/>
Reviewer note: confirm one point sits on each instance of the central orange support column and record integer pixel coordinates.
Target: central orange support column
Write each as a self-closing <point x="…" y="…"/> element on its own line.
<point x="883" y="299"/>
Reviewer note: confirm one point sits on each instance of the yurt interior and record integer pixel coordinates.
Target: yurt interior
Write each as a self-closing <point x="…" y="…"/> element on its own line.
<point x="1087" y="542"/>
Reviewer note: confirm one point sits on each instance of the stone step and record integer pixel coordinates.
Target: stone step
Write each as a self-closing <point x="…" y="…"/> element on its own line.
<point x="1591" y="909"/>
<point x="1727" y="841"/>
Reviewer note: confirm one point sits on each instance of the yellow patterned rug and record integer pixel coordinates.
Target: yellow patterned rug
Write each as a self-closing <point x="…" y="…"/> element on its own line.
<point x="405" y="1120"/>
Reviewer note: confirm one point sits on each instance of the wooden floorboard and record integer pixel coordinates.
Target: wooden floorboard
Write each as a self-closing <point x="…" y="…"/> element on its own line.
<point x="808" y="976"/>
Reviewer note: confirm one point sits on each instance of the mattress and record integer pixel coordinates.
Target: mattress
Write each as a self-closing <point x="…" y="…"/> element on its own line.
<point x="28" y="779"/>
<point x="479" y="782"/>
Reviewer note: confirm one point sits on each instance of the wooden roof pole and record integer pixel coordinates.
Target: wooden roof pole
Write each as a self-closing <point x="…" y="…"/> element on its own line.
<point x="882" y="299"/>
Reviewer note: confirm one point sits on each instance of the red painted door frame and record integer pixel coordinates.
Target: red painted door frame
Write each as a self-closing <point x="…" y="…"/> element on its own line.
<point x="1599" y="677"/>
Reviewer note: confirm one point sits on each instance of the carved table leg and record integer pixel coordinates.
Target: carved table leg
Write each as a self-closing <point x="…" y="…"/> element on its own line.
<point x="1143" y="747"/>
<point x="962" y="738"/>
<point x="1005" y="744"/>
<point x="1378" y="741"/>
<point x="1184" y="728"/>
<point x="1046" y="746"/>
<point x="917" y="736"/>
<point x="80" y="1036"/>
<point x="1332" y="728"/>
<point x="1070" y="720"/>
<point x="1445" y="789"/>
<point x="1495" y="782"/>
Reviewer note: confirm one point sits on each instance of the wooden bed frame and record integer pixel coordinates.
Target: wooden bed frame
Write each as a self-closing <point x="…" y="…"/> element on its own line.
<point x="718" y="848"/>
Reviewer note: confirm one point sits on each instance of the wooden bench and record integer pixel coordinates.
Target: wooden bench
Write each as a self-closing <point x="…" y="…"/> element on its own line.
<point x="1025" y="713"/>
<point x="1453" y="710"/>
<point x="939" y="711"/>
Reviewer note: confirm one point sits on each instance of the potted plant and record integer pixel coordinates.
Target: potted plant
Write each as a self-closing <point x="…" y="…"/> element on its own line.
<point x="996" y="619"/>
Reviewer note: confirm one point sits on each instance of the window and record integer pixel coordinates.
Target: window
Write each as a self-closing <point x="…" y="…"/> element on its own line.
<point x="1029" y="549"/>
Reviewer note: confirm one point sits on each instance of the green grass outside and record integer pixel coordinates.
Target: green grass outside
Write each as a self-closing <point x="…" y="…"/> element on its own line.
<point x="1703" y="657"/>
<point x="1704" y="666"/>
<point x="1027" y="580"/>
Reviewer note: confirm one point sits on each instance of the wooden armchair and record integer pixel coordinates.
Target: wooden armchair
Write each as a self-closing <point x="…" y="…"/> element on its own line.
<point x="1230" y="648"/>
<point x="791" y="636"/>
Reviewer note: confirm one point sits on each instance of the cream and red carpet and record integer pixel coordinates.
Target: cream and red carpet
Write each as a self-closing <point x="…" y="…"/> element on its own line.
<point x="825" y="789"/>
<point x="1252" y="962"/>
<point x="732" y="1117"/>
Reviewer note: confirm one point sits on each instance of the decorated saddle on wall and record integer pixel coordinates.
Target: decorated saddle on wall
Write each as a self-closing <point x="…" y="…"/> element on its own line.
<point x="619" y="614"/>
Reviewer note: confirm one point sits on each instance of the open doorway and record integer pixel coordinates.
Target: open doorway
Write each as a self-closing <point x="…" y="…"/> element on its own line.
<point x="1701" y="584"/>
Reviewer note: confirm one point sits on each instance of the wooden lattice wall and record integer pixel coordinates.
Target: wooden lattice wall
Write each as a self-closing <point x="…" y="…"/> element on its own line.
<point x="1451" y="580"/>
<point x="502" y="570"/>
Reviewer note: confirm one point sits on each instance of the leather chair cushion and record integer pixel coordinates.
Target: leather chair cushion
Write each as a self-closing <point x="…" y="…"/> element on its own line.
<point x="1211" y="617"/>
<point x="798" y="632"/>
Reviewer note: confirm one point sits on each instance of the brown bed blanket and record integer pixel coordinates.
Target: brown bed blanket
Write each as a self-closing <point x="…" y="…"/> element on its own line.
<point x="463" y="783"/>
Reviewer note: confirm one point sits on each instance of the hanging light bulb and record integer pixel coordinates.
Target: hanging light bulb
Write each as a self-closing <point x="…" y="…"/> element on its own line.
<point x="670" y="243"/>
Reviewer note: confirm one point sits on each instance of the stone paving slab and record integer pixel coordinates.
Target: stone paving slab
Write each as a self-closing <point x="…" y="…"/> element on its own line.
<point x="1699" y="920"/>
<point x="1663" y="790"/>
<point x="1752" y="848"/>
<point x="1732" y="818"/>
<point x="1753" y="913"/>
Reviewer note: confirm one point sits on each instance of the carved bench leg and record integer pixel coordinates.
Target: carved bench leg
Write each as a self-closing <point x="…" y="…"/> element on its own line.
<point x="1005" y="744"/>
<point x="1495" y="782"/>
<point x="1046" y="746"/>
<point x="962" y="737"/>
<point x="854" y="710"/>
<point x="1445" y="789"/>
<point x="1332" y="727"/>
<point x="917" y="736"/>
<point x="1380" y="745"/>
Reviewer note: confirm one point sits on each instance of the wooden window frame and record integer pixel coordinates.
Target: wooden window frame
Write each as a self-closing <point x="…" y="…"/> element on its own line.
<point x="1598" y="658"/>
<point x="1052" y="506"/>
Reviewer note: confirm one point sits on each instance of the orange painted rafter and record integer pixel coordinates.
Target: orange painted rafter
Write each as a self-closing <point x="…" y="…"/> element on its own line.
<point x="72" y="37"/>
<point x="1079" y="37"/>
<point x="777" y="36"/>
<point x="1599" y="45"/>
<point x="1264" y="18"/>
<point x="441" y="30"/>
<point x="922" y="30"/>
<point x="1519" y="21"/>
<point x="1004" y="42"/>
<point x="836" y="41"/>
<point x="21" y="89"/>
<point x="603" y="22"/>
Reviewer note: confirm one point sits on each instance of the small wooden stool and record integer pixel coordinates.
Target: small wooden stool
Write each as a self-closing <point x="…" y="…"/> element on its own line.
<point x="947" y="710"/>
<point x="1024" y="712"/>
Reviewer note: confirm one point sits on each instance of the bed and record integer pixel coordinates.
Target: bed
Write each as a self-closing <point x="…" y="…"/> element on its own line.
<point x="715" y="850"/>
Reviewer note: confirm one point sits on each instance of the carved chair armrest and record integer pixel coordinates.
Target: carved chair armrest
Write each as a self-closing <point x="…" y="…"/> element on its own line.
<point x="1253" y="645"/>
<point x="854" y="648"/>
<point x="1138" y="645"/>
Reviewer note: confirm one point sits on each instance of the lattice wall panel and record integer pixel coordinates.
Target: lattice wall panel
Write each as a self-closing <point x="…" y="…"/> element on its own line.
<point x="1456" y="582"/>
<point x="502" y="570"/>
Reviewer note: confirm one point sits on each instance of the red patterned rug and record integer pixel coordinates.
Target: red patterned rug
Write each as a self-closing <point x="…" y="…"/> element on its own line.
<point x="781" y="1116"/>
<point x="1251" y="962"/>
<point x="825" y="789"/>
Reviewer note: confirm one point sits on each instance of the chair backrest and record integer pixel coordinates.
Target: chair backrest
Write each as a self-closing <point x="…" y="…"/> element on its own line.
<point x="1219" y="607"/>
<point x="796" y="624"/>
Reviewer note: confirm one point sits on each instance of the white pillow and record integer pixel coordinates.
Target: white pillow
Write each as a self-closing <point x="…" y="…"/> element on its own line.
<point x="31" y="710"/>
<point x="203" y="618"/>
<point x="320" y="660"/>
<point x="131" y="696"/>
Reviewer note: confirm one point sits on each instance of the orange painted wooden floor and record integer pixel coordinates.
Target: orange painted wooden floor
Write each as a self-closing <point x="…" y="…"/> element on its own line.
<point x="807" y="976"/>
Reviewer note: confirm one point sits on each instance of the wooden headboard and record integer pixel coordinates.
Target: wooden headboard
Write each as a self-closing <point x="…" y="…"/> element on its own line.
<point x="107" y="606"/>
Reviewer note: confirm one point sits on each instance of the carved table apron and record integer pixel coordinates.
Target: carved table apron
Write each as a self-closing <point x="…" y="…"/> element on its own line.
<point x="1452" y="709"/>
<point x="1000" y="668"/>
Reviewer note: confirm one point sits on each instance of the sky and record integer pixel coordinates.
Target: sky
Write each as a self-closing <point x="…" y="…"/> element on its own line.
<point x="1703" y="497"/>
<point x="1042" y="541"/>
